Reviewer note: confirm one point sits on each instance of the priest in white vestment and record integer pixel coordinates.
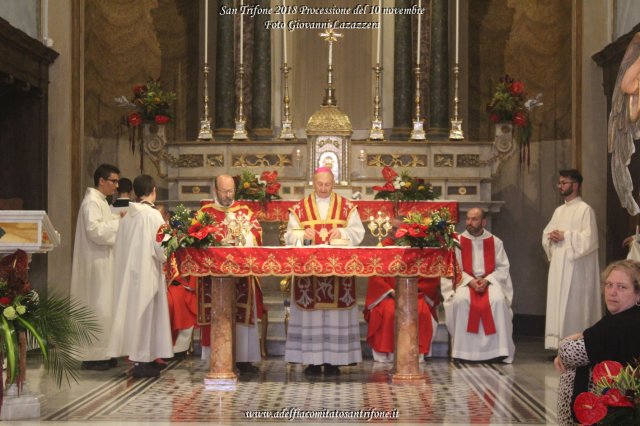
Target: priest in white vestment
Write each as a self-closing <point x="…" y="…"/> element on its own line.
<point x="92" y="270"/>
<point x="324" y="325"/>
<point x="478" y="313"/>
<point x="141" y="328"/>
<point x="570" y="241"/>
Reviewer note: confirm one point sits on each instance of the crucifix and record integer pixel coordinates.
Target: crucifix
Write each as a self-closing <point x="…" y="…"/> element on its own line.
<point x="330" y="37"/>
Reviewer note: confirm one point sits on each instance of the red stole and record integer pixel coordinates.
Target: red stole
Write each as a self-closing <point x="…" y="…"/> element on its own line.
<point x="324" y="292"/>
<point x="480" y="309"/>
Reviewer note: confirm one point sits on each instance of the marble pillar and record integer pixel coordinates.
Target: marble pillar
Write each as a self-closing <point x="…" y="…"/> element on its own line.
<point x="403" y="96"/>
<point x="261" y="77"/>
<point x="439" y="72"/>
<point x="223" y="308"/>
<point x="406" y="331"/>
<point x="225" y="96"/>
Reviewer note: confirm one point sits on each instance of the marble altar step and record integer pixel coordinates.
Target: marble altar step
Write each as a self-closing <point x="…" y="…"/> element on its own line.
<point x="276" y="330"/>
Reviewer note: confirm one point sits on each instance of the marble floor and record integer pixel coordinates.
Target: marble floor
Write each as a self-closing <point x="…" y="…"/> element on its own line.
<point x="451" y="393"/>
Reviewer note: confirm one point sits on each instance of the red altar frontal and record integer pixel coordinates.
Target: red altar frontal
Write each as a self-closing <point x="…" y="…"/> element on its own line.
<point x="223" y="264"/>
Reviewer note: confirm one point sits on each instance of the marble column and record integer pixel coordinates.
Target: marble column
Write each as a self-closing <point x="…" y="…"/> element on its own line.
<point x="406" y="331"/>
<point x="225" y="97"/>
<point x="223" y="308"/>
<point x="403" y="95"/>
<point x="261" y="81"/>
<point x="439" y="72"/>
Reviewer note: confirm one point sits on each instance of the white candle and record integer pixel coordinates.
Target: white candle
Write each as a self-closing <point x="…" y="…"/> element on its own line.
<point x="241" y="32"/>
<point x="457" y="28"/>
<point x="284" y="30"/>
<point x="44" y="15"/>
<point x="206" y="30"/>
<point x="379" y="31"/>
<point x="419" y="21"/>
<point x="330" y="49"/>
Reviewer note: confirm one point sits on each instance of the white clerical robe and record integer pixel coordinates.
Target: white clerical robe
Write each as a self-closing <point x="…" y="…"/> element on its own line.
<point x="141" y="329"/>
<point x="92" y="270"/>
<point x="573" y="289"/>
<point x="330" y="336"/>
<point x="479" y="346"/>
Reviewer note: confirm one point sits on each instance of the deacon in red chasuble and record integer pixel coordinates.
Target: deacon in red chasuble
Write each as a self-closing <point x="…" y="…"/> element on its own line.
<point x="380" y="311"/>
<point x="323" y="326"/>
<point x="478" y="313"/>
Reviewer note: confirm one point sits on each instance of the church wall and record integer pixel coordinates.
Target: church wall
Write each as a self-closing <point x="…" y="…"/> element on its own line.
<point x="60" y="205"/>
<point x="530" y="41"/>
<point x="22" y="14"/>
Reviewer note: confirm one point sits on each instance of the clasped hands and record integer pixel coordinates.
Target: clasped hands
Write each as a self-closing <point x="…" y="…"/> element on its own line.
<point x="556" y="236"/>
<point x="479" y="284"/>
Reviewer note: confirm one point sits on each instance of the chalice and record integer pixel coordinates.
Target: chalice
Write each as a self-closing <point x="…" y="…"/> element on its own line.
<point x="379" y="227"/>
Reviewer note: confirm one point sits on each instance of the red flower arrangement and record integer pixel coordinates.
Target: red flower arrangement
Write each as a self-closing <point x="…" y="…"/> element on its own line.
<point x="435" y="230"/>
<point x="186" y="230"/>
<point x="510" y="104"/>
<point x="616" y="397"/>
<point x="263" y="187"/>
<point x="403" y="187"/>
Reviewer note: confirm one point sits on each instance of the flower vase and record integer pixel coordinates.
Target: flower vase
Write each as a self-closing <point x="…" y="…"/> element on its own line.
<point x="504" y="137"/>
<point x="152" y="142"/>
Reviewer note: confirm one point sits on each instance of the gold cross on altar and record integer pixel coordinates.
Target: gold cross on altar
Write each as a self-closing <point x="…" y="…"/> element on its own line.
<point x="330" y="37"/>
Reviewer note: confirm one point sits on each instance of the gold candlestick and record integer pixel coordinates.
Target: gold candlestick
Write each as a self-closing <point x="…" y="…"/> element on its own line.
<point x="286" y="132"/>
<point x="379" y="227"/>
<point x="240" y="133"/>
<point x="376" y="133"/>
<point x="417" y="133"/>
<point x="456" y="134"/>
<point x="205" y="124"/>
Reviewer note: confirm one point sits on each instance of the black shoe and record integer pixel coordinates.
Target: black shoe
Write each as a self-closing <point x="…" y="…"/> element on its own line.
<point x="144" y="369"/>
<point x="331" y="370"/>
<point x="179" y="355"/>
<point x="158" y="365"/>
<point x="313" y="370"/>
<point x="246" y="367"/>
<point x="113" y="362"/>
<point x="95" y="365"/>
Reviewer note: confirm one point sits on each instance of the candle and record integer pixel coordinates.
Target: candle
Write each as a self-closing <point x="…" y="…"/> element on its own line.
<point x="241" y="32"/>
<point x="206" y="29"/>
<point x="44" y="15"/>
<point x="284" y="30"/>
<point x="330" y="48"/>
<point x="457" y="28"/>
<point x="419" y="20"/>
<point x="379" y="31"/>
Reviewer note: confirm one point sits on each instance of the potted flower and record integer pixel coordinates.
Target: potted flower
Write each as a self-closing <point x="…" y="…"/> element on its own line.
<point x="56" y="326"/>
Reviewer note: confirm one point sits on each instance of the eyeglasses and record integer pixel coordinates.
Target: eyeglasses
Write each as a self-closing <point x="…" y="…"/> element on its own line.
<point x="564" y="182"/>
<point x="227" y="192"/>
<point x="113" y="181"/>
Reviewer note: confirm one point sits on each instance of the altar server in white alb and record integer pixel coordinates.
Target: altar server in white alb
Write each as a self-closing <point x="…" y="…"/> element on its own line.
<point x="92" y="270"/>
<point x="324" y="330"/>
<point x="570" y="241"/>
<point x="141" y="328"/>
<point x="478" y="313"/>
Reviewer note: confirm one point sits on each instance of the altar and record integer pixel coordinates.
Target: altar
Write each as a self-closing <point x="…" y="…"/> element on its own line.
<point x="221" y="265"/>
